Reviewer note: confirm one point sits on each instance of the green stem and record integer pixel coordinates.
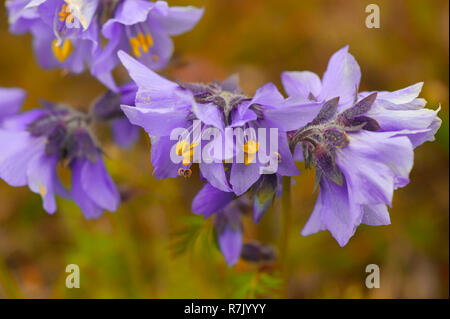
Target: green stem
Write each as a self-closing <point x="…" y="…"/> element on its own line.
<point x="286" y="226"/>
<point x="8" y="283"/>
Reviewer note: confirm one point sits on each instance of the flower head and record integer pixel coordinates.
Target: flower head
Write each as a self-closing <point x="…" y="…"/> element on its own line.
<point x="66" y="33"/>
<point x="34" y="142"/>
<point x="144" y="28"/>
<point x="360" y="144"/>
<point x="163" y="107"/>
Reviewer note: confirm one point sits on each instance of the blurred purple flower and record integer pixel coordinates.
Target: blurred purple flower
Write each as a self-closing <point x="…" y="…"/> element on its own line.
<point x="107" y="109"/>
<point x="162" y="106"/>
<point x="11" y="100"/>
<point x="228" y="227"/>
<point x="34" y="142"/>
<point x="360" y="144"/>
<point x="144" y="29"/>
<point x="65" y="32"/>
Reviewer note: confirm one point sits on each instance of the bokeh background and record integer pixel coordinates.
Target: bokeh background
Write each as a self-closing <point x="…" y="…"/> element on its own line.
<point x="154" y="247"/>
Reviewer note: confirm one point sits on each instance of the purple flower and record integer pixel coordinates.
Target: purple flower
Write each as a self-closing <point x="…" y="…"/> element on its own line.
<point x="360" y="144"/>
<point x="162" y="106"/>
<point x="11" y="100"/>
<point x="229" y="232"/>
<point x="65" y="32"/>
<point x="34" y="142"/>
<point x="144" y="28"/>
<point x="107" y="109"/>
<point x="212" y="201"/>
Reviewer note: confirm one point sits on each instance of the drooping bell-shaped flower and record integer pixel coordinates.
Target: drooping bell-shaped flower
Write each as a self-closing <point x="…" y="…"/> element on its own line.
<point x="361" y="145"/>
<point x="144" y="29"/>
<point x="33" y="143"/>
<point x="66" y="33"/>
<point x="197" y="112"/>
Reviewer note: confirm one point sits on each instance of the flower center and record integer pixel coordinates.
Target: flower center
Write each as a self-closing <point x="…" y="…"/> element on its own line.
<point x="66" y="133"/>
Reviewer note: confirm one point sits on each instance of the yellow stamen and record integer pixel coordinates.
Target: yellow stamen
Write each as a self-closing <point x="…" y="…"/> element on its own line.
<point x="42" y="190"/>
<point x="63" y="51"/>
<point x="135" y="47"/>
<point x="250" y="149"/>
<point x="65" y="14"/>
<point x="142" y="42"/>
<point x="149" y="39"/>
<point x="187" y="151"/>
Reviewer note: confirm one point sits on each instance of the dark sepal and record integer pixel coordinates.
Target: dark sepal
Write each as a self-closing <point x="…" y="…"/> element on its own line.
<point x="324" y="160"/>
<point x="361" y="107"/>
<point x="79" y="144"/>
<point x="366" y="123"/>
<point x="327" y="111"/>
<point x="317" y="179"/>
<point x="307" y="155"/>
<point x="264" y="192"/>
<point x="55" y="139"/>
<point x="44" y="125"/>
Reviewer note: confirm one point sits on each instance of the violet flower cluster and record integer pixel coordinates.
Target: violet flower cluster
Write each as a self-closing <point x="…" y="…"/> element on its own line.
<point x="359" y="143"/>
<point x="68" y="34"/>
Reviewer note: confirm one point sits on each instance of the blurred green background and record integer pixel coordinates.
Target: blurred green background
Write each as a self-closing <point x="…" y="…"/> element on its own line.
<point x="131" y="253"/>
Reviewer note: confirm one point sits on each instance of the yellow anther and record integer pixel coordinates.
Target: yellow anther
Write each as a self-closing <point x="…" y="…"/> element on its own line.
<point x="139" y="42"/>
<point x="250" y="149"/>
<point x="142" y="42"/>
<point x="63" y="51"/>
<point x="149" y="39"/>
<point x="187" y="151"/>
<point x="42" y="190"/>
<point x="65" y="14"/>
<point x="135" y="47"/>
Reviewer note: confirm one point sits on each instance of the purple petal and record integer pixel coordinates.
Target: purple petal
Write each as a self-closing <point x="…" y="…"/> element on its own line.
<point x="334" y="211"/>
<point x="374" y="164"/>
<point x="178" y="20"/>
<point x="341" y="78"/>
<point x="210" y="114"/>
<point x="125" y="134"/>
<point x="160" y="157"/>
<point x="230" y="242"/>
<point x="156" y="121"/>
<point x="301" y="83"/>
<point x="42" y="179"/>
<point x="402" y="96"/>
<point x="11" y="100"/>
<point x="210" y="200"/>
<point x="214" y="173"/>
<point x="89" y="208"/>
<point x="98" y="184"/>
<point x="375" y="215"/>
<point x="17" y="150"/>
<point x="243" y="176"/>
